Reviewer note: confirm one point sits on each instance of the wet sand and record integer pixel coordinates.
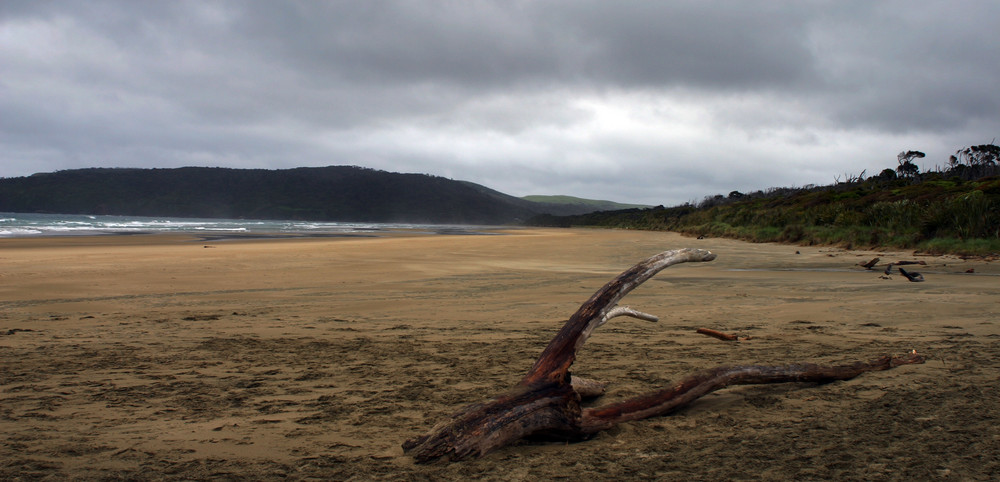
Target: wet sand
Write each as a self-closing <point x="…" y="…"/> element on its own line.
<point x="165" y="357"/>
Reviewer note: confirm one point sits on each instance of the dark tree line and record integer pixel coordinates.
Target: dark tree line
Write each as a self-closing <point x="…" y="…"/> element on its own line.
<point x="337" y="193"/>
<point x="967" y="164"/>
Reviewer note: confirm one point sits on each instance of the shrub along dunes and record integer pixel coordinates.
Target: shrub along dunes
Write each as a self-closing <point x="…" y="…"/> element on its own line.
<point x="152" y="357"/>
<point x="934" y="214"/>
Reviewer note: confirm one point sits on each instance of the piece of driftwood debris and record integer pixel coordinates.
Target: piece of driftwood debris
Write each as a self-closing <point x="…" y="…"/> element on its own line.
<point x="13" y="331"/>
<point x="546" y="402"/>
<point x="717" y="334"/>
<point x="911" y="275"/>
<point x="871" y="264"/>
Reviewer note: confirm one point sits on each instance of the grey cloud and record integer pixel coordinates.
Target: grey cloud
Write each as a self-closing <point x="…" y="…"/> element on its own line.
<point x="538" y="44"/>
<point x="763" y="93"/>
<point x="902" y="66"/>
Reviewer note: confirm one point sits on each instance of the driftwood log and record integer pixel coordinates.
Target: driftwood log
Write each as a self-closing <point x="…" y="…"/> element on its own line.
<point x="717" y="334"/>
<point x="546" y="402"/>
<point x="871" y="264"/>
<point x="911" y="275"/>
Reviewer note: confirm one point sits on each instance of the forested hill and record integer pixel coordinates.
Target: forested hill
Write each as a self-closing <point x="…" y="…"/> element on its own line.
<point x="336" y="193"/>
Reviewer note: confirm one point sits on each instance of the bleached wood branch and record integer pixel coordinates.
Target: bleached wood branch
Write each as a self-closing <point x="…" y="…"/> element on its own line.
<point x="627" y="311"/>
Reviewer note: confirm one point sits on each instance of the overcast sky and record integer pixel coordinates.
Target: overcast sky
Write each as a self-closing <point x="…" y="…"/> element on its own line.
<point x="655" y="102"/>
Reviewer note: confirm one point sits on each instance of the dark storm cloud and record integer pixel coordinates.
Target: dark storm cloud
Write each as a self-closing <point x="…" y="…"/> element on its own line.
<point x="904" y="66"/>
<point x="484" y="44"/>
<point x="659" y="102"/>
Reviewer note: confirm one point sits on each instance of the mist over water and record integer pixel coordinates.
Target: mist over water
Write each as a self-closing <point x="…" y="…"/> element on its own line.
<point x="14" y="225"/>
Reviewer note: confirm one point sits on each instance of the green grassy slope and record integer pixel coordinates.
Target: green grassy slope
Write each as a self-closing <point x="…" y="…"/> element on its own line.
<point x="935" y="215"/>
<point x="595" y="204"/>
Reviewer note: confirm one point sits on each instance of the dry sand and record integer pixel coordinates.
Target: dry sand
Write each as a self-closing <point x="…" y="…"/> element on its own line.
<point x="157" y="357"/>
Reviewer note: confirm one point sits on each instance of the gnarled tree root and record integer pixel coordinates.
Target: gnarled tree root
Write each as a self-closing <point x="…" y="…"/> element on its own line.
<point x="547" y="400"/>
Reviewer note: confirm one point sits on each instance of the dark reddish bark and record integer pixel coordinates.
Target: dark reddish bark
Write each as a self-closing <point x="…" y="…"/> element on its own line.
<point x="871" y="264"/>
<point x="546" y="402"/>
<point x="717" y="334"/>
<point x="696" y="386"/>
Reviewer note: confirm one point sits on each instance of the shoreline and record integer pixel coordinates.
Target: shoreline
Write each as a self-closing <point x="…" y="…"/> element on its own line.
<point x="32" y="225"/>
<point x="226" y="230"/>
<point x="146" y="237"/>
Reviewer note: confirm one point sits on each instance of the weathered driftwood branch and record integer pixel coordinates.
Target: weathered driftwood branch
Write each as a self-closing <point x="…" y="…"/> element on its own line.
<point x="546" y="402"/>
<point x="871" y="264"/>
<point x="911" y="275"/>
<point x="696" y="386"/>
<point x="717" y="334"/>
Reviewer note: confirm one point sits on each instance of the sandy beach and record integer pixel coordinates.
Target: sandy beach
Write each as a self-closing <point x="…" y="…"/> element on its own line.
<point x="170" y="357"/>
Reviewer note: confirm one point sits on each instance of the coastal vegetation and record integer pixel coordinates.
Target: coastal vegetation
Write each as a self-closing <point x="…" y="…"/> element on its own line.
<point x="588" y="204"/>
<point x="954" y="209"/>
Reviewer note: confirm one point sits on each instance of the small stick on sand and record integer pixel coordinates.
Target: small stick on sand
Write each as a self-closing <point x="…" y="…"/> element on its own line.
<point x="718" y="334"/>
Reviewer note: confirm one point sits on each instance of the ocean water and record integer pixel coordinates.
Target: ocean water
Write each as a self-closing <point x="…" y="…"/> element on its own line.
<point x="26" y="225"/>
